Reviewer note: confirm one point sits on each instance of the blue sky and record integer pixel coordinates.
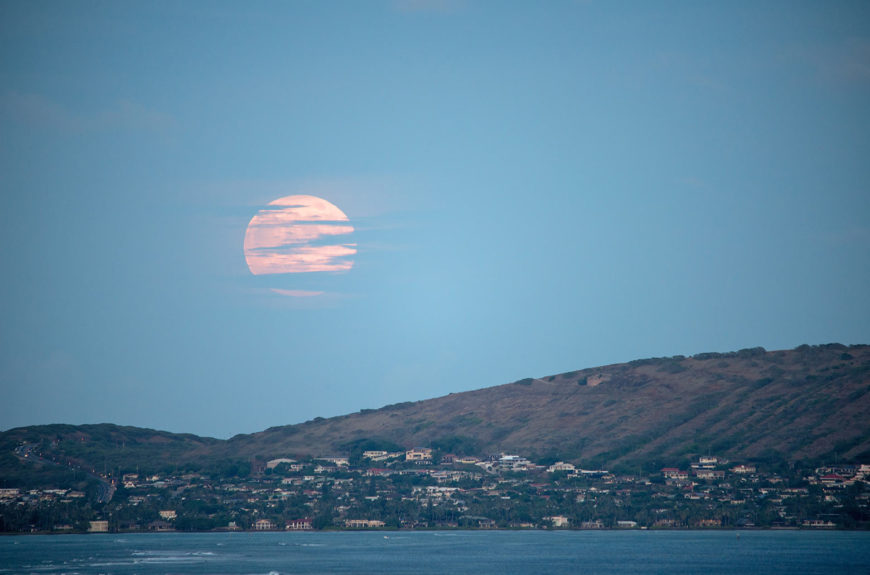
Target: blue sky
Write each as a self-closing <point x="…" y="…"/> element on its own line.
<point x="534" y="188"/>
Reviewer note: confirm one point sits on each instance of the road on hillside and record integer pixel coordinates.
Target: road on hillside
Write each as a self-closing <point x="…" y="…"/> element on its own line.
<point x="105" y="489"/>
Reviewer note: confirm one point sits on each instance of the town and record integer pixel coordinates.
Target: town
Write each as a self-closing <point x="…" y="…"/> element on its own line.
<point x="423" y="488"/>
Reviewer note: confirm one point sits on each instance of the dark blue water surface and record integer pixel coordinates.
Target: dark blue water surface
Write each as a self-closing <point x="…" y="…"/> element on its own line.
<point x="455" y="552"/>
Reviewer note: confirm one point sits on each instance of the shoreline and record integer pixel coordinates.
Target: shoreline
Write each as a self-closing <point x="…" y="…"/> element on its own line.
<point x="448" y="530"/>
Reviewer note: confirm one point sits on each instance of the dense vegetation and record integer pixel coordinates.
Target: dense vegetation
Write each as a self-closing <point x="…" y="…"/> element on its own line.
<point x="451" y="495"/>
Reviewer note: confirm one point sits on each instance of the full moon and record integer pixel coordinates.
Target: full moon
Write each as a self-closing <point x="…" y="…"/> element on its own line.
<point x="298" y="234"/>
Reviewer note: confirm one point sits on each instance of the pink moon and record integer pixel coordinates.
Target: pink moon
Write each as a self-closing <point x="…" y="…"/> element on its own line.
<point x="298" y="234"/>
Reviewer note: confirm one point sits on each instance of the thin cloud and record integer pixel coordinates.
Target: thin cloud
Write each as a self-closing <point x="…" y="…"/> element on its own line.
<point x="437" y="6"/>
<point x="846" y="63"/>
<point x="280" y="238"/>
<point x="38" y="111"/>
<point x="852" y="60"/>
<point x="302" y="259"/>
<point x="297" y="292"/>
<point x="130" y="115"/>
<point x="299" y="299"/>
<point x="692" y="182"/>
<point x="853" y="236"/>
<point x="282" y="235"/>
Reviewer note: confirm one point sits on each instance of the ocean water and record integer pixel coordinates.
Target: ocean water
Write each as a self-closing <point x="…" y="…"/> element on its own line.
<point x="454" y="552"/>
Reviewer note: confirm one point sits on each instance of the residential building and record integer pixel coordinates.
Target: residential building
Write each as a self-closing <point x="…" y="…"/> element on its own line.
<point x="418" y="454"/>
<point x="558" y="521"/>
<point x="363" y="523"/>
<point x="299" y="525"/>
<point x="263" y="525"/>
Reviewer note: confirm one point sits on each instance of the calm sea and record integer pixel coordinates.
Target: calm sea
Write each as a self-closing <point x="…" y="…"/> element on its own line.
<point x="454" y="552"/>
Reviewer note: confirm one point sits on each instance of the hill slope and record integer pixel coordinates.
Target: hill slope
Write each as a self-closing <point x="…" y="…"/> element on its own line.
<point x="807" y="403"/>
<point x="803" y="404"/>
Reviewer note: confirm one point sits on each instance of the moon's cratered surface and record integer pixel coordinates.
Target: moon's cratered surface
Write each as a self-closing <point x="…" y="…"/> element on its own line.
<point x="298" y="234"/>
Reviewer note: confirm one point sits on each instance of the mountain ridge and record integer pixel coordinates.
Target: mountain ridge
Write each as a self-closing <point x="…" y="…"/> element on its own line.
<point x="809" y="403"/>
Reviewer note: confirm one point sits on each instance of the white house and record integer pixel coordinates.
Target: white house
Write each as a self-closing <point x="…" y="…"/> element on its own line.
<point x="299" y="525"/>
<point x="558" y="520"/>
<point x="263" y="525"/>
<point x="418" y="454"/>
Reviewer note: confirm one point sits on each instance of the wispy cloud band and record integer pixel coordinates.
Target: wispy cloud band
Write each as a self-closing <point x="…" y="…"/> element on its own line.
<point x="281" y="239"/>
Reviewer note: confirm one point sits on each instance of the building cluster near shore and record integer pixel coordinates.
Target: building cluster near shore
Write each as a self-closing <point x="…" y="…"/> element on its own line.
<point x="422" y="489"/>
